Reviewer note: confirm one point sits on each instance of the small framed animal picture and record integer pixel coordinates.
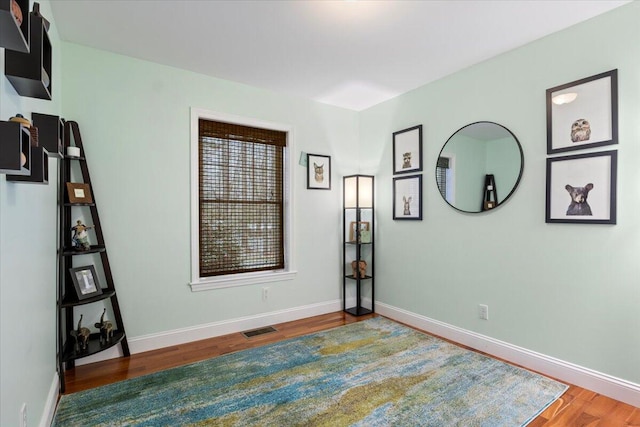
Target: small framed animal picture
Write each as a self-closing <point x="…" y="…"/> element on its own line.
<point x="407" y="150"/>
<point x="583" y="114"/>
<point x="85" y="281"/>
<point x="318" y="172"/>
<point x="407" y="197"/>
<point x="582" y="188"/>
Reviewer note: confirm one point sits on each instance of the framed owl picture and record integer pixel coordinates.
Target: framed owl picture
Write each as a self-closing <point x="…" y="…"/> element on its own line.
<point x="583" y="114"/>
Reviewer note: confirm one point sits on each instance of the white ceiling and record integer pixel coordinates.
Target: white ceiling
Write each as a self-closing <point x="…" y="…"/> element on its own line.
<point x="352" y="54"/>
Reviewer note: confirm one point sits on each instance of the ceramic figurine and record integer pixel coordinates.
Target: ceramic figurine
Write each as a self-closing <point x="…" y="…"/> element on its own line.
<point x="81" y="335"/>
<point x="359" y="266"/>
<point x="106" y="329"/>
<point x="80" y="238"/>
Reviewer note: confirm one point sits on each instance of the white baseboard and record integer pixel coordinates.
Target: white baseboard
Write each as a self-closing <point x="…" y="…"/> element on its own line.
<point x="616" y="388"/>
<point x="50" y="404"/>
<point x="200" y="332"/>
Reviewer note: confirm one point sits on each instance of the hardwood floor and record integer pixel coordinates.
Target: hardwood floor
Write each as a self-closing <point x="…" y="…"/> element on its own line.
<point x="577" y="407"/>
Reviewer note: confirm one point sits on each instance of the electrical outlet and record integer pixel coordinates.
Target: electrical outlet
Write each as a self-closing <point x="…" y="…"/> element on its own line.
<point x="23" y="415"/>
<point x="265" y="294"/>
<point x="483" y="311"/>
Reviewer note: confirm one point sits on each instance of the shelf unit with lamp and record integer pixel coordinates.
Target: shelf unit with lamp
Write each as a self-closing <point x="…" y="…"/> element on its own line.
<point x="358" y="247"/>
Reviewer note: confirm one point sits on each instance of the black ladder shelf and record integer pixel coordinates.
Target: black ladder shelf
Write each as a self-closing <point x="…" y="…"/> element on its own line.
<point x="490" y="193"/>
<point x="68" y="351"/>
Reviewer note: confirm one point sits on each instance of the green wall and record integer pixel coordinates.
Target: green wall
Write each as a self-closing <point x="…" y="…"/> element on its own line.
<point x="568" y="291"/>
<point x="134" y="117"/>
<point x="28" y="262"/>
<point x="564" y="290"/>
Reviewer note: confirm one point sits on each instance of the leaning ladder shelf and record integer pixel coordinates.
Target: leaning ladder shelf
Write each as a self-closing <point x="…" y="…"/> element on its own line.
<point x="68" y="353"/>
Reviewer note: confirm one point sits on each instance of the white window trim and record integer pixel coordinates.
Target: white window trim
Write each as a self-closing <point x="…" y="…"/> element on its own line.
<point x="240" y="279"/>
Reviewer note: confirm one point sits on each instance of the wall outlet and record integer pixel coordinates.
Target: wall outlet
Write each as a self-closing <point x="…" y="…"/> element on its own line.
<point x="23" y="415"/>
<point x="265" y="294"/>
<point x="483" y="311"/>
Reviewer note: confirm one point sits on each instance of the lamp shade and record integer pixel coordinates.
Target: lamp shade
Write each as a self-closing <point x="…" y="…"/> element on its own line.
<point x="358" y="191"/>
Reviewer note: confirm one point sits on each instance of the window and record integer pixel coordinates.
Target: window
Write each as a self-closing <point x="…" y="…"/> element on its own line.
<point x="241" y="219"/>
<point x="445" y="177"/>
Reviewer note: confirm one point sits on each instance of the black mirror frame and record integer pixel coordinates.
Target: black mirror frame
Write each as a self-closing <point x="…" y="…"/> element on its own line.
<point x="515" y="185"/>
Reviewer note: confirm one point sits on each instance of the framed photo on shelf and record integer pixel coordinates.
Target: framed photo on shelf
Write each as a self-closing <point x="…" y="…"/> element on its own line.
<point x="79" y="192"/>
<point x="318" y="172"/>
<point x="407" y="150"/>
<point x="583" y="114"/>
<point x="85" y="281"/>
<point x="364" y="229"/>
<point x="407" y="197"/>
<point x="582" y="188"/>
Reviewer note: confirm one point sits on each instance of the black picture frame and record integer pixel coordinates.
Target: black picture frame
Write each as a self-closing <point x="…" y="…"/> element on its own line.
<point x="581" y="189"/>
<point x="407" y="198"/>
<point x="583" y="114"/>
<point x="85" y="281"/>
<point x="407" y="150"/>
<point x="318" y="172"/>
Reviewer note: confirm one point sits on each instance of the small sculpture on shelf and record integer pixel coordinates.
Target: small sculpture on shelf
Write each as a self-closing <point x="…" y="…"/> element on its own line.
<point x="81" y="335"/>
<point x="16" y="12"/>
<point x="80" y="238"/>
<point x="106" y="329"/>
<point x="359" y="266"/>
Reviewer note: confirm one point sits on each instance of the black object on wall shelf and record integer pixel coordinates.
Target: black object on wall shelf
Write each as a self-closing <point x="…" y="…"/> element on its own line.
<point x="14" y="35"/>
<point x="30" y="73"/>
<point x="50" y="133"/>
<point x="15" y="149"/>
<point x="39" y="168"/>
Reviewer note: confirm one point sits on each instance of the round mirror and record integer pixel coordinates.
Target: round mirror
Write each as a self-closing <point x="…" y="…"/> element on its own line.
<point x="479" y="167"/>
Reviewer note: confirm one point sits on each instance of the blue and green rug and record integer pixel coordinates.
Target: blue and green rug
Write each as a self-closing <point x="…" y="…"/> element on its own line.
<point x="371" y="373"/>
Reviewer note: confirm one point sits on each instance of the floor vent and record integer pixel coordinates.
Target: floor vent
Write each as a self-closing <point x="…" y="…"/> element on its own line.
<point x="261" y="331"/>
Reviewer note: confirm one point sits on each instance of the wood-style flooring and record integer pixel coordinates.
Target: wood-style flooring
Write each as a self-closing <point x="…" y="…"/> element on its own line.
<point x="577" y="407"/>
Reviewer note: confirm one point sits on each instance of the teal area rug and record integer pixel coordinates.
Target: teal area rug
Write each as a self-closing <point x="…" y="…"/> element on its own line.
<point x="371" y="373"/>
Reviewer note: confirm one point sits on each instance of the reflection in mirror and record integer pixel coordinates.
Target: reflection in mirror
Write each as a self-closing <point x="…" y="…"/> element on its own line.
<point x="479" y="167"/>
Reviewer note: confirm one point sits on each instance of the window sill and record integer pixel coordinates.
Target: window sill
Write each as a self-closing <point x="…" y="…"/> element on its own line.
<point x="231" y="281"/>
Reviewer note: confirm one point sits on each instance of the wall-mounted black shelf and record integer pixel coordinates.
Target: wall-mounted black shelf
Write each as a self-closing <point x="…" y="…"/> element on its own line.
<point x="14" y="36"/>
<point x="39" y="168"/>
<point x="30" y="73"/>
<point x="15" y="147"/>
<point x="50" y="133"/>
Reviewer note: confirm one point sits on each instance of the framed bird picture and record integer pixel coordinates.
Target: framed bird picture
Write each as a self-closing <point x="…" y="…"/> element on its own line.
<point x="583" y="114"/>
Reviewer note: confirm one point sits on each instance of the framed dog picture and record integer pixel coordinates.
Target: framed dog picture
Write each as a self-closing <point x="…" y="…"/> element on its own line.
<point x="407" y="150"/>
<point x="583" y="114"/>
<point x="582" y="188"/>
<point x="407" y="197"/>
<point x="85" y="281"/>
<point x="318" y="172"/>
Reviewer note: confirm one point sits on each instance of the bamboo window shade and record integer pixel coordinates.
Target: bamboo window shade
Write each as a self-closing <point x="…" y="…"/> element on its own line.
<point x="241" y="198"/>
<point x="441" y="175"/>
